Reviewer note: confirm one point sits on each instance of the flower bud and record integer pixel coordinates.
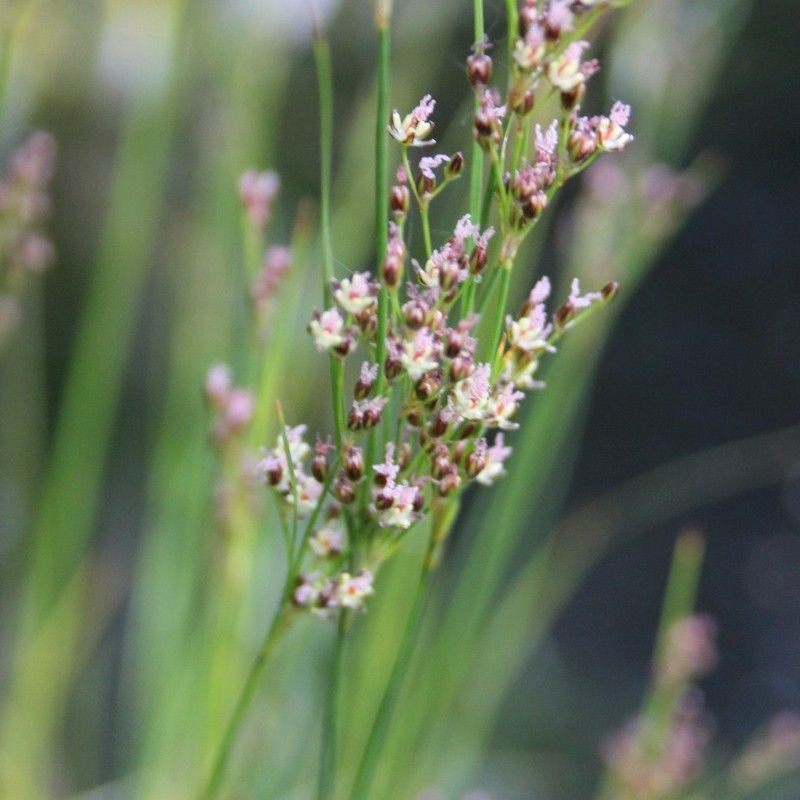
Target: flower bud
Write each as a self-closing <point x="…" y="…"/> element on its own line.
<point x="392" y="367"/>
<point x="414" y="417"/>
<point x="343" y="490"/>
<point x="428" y="386"/>
<point x="534" y="205"/>
<point x="449" y="483"/>
<point x="449" y="273"/>
<point x="392" y="270"/>
<point x="609" y="291"/>
<point x="372" y="416"/>
<point x="438" y="426"/>
<point x="384" y="500"/>
<point x="414" y="314"/>
<point x="479" y="69"/>
<point x="573" y="98"/>
<point x="274" y="472"/>
<point x="400" y="199"/>
<point x="454" y="343"/>
<point x="404" y="456"/>
<point x="319" y="467"/>
<point x="455" y="165"/>
<point x="355" y="418"/>
<point x="524" y="103"/>
<point x="460" y="367"/>
<point x="478" y="258"/>
<point x="564" y="314"/>
<point x="419" y="500"/>
<point x="476" y="461"/>
<point x="441" y="463"/>
<point x="353" y="463"/>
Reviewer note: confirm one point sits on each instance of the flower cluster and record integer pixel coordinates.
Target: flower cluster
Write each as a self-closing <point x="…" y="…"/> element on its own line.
<point x="441" y="369"/>
<point x="25" y="249"/>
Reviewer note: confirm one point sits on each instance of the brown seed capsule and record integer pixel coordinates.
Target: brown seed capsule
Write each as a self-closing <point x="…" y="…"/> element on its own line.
<point x="392" y="367"/>
<point x="415" y="417"/>
<point x="355" y="418"/>
<point x="419" y="500"/>
<point x="384" y="500"/>
<point x="449" y="273"/>
<point x="533" y="206"/>
<point x="274" y="474"/>
<point x="570" y="100"/>
<point x="354" y="463"/>
<point x="404" y="455"/>
<point x="476" y="461"/>
<point x="455" y="165"/>
<point x="454" y="343"/>
<point x="428" y="386"/>
<point x="392" y="270"/>
<point x="460" y="367"/>
<point x="609" y="291"/>
<point x="478" y="258"/>
<point x="564" y="314"/>
<point x="319" y="467"/>
<point x="524" y="103"/>
<point x="438" y="426"/>
<point x="479" y="69"/>
<point x="372" y="416"/>
<point x="343" y="490"/>
<point x="484" y="124"/>
<point x="449" y="483"/>
<point x="414" y="314"/>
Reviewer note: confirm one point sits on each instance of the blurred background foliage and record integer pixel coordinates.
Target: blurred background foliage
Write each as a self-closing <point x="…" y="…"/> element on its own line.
<point x="123" y="643"/>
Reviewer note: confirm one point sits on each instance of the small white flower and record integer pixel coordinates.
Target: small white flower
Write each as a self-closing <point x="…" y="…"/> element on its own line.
<point x="355" y="295"/>
<point x="328" y="540"/>
<point x="470" y="396"/>
<point x="611" y="133"/>
<point x="495" y="456"/>
<point x="419" y="354"/>
<point x="414" y="129"/>
<point x="350" y="591"/>
<point x="327" y="330"/>
<point x="501" y="407"/>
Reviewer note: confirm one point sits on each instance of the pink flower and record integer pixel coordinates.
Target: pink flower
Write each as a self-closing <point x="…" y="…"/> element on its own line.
<point x="502" y="406"/>
<point x="257" y="191"/>
<point x="611" y="133"/>
<point x="388" y="470"/>
<point x="495" y="457"/>
<point x="567" y="72"/>
<point x="582" y="301"/>
<point x="427" y="165"/>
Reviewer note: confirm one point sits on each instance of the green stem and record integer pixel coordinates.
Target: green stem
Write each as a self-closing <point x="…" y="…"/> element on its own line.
<point x="440" y="527"/>
<point x="476" y="166"/>
<point x="327" y="770"/>
<point x="499" y="312"/>
<point x="382" y="20"/>
<point x="276" y="627"/>
<point x="426" y="229"/>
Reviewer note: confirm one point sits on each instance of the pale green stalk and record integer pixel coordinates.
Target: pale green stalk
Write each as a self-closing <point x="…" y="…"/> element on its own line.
<point x="246" y="697"/>
<point x="476" y="166"/>
<point x="441" y="524"/>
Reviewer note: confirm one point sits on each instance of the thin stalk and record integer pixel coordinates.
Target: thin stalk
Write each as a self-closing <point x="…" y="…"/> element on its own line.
<point x="476" y="165"/>
<point x="327" y="770"/>
<point x="499" y="310"/>
<point x="382" y="25"/>
<point x="322" y="61"/>
<point x="426" y="229"/>
<point x="276" y="627"/>
<point x="440" y="527"/>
